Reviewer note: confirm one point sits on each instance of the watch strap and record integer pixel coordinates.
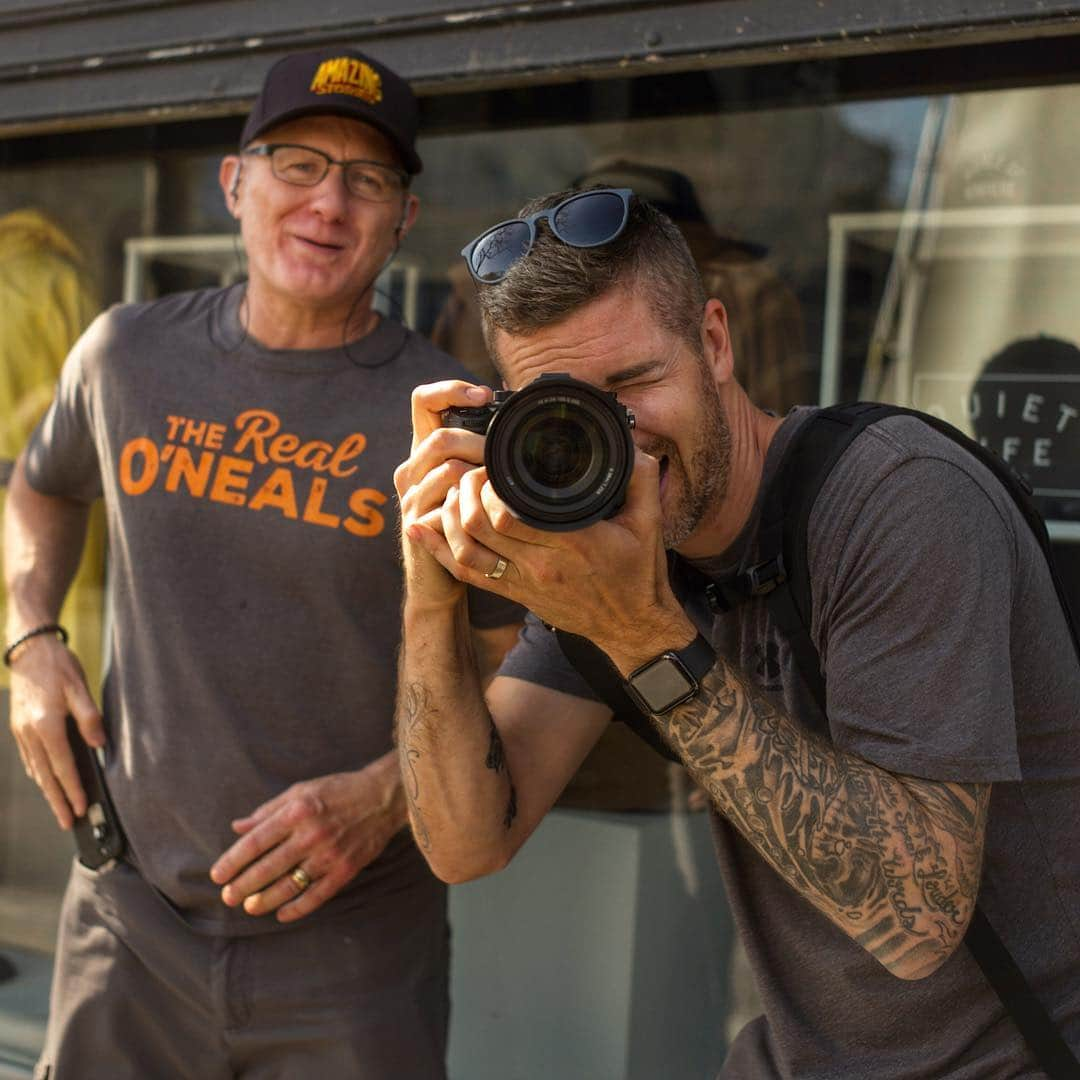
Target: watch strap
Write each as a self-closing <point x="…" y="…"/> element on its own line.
<point x="693" y="661"/>
<point x="698" y="657"/>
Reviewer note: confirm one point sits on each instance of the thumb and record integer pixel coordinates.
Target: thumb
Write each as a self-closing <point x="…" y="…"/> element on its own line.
<point x="642" y="504"/>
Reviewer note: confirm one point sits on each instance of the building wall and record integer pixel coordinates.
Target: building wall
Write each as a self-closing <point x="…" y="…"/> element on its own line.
<point x="72" y="64"/>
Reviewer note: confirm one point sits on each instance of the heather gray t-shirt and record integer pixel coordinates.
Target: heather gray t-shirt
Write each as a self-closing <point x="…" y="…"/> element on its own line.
<point x="254" y="573"/>
<point x="946" y="656"/>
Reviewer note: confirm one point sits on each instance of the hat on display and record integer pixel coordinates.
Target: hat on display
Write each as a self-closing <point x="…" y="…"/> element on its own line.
<point x="340" y="82"/>
<point x="669" y="191"/>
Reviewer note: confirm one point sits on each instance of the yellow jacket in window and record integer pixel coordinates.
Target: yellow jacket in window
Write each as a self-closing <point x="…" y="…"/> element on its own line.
<point x="47" y="301"/>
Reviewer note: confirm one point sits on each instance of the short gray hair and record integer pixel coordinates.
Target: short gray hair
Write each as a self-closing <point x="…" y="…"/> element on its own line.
<point x="555" y="279"/>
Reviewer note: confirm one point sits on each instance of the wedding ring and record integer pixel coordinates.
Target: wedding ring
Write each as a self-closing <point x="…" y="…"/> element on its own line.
<point x="300" y="878"/>
<point x="498" y="570"/>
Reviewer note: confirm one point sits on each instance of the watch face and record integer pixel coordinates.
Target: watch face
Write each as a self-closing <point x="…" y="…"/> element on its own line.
<point x="663" y="684"/>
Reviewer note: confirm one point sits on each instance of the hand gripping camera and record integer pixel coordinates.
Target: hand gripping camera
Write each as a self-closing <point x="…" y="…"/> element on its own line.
<point x="558" y="453"/>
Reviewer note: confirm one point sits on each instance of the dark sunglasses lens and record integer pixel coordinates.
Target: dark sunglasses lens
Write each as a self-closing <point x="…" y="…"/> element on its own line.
<point x="495" y="252"/>
<point x="590" y="219"/>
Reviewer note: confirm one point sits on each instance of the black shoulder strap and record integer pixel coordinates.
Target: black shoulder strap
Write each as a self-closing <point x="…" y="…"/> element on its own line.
<point x="1035" y="1023"/>
<point x="808" y="459"/>
<point x="806" y="464"/>
<point x="597" y="670"/>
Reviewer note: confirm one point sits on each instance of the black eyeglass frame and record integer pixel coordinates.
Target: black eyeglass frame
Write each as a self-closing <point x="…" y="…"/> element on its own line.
<point x="266" y="150"/>
<point x="548" y="214"/>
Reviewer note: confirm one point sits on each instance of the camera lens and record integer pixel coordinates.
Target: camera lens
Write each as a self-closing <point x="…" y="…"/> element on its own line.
<point x="559" y="453"/>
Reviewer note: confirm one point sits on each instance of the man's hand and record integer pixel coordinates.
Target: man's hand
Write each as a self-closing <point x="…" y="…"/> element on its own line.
<point x="440" y="457"/>
<point x="607" y="582"/>
<point x="47" y="683"/>
<point x="331" y="827"/>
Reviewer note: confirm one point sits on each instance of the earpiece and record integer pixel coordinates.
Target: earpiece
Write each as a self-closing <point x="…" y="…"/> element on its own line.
<point x="234" y="190"/>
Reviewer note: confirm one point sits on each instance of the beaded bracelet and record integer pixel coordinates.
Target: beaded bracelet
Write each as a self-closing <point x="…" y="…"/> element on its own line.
<point x="46" y="628"/>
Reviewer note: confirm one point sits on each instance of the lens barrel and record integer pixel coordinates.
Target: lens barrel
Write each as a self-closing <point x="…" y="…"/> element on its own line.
<point x="559" y="453"/>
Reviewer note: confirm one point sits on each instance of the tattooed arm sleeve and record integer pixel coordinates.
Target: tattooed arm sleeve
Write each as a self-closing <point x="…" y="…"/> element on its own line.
<point x="892" y="860"/>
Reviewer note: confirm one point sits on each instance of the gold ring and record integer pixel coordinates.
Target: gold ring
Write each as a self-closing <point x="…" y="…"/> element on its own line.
<point x="498" y="570"/>
<point x="300" y="878"/>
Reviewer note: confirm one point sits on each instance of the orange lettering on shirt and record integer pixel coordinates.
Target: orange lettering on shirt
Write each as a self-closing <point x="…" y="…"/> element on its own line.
<point x="231" y="480"/>
<point x="194" y="431"/>
<point x="367" y="521"/>
<point x="256" y="426"/>
<point x="183" y="468"/>
<point x="313" y="512"/>
<point x="313" y="455"/>
<point x="276" y="491"/>
<point x="146" y="450"/>
<point x="283" y="448"/>
<point x="352" y="446"/>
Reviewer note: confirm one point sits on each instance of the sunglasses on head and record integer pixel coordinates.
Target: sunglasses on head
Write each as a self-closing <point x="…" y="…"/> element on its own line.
<point x="587" y="219"/>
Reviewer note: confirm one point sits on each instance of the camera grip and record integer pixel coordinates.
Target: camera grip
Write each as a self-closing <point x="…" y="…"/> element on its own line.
<point x="470" y="418"/>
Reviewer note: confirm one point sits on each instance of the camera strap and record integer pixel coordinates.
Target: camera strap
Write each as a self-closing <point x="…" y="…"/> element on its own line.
<point x="594" y="666"/>
<point x="782" y="578"/>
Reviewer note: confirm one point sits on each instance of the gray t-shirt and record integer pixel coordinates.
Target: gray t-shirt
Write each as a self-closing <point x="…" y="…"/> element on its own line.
<point x="254" y="576"/>
<point x="946" y="656"/>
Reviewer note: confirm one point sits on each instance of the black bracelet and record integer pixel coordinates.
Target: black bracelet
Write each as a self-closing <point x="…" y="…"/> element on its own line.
<point x="45" y="628"/>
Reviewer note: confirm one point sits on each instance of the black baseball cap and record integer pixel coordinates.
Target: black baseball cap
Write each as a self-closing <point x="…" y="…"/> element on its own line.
<point x="342" y="82"/>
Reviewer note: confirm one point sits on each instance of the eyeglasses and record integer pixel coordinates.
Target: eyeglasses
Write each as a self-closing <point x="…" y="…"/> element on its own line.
<point x="588" y="219"/>
<point x="305" y="166"/>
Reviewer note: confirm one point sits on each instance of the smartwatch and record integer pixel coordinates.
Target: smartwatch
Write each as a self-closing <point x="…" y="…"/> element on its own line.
<point x="671" y="678"/>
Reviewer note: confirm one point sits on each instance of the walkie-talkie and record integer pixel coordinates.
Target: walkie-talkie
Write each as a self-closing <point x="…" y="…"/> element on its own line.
<point x="98" y="836"/>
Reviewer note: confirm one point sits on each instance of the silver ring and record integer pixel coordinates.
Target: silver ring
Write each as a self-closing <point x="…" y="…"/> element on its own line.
<point x="498" y="570"/>
<point x="300" y="878"/>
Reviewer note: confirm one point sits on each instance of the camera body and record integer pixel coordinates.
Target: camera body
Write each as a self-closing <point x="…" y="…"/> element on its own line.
<point x="559" y="451"/>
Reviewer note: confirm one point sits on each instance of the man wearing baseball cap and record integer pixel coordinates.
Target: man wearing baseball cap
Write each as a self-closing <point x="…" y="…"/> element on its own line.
<point x="269" y="915"/>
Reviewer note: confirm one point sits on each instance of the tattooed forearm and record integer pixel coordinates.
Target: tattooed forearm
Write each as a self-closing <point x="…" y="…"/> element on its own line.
<point x="456" y="772"/>
<point x="414" y="701"/>
<point x="894" y="861"/>
<point x="496" y="761"/>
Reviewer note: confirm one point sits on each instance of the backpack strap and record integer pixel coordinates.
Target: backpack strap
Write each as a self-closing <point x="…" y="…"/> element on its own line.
<point x="1034" y="1022"/>
<point x="807" y="462"/>
<point x="594" y="666"/>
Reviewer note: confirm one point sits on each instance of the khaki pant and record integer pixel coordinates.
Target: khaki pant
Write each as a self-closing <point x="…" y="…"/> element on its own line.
<point x="138" y="995"/>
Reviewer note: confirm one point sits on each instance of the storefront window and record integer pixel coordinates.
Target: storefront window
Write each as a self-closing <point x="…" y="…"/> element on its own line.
<point x="924" y="251"/>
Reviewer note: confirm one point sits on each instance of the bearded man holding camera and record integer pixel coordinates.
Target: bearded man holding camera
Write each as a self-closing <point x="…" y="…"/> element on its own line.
<point x="854" y="843"/>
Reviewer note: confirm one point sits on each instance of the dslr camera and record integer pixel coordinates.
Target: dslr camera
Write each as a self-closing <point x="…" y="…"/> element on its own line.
<point x="558" y="452"/>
